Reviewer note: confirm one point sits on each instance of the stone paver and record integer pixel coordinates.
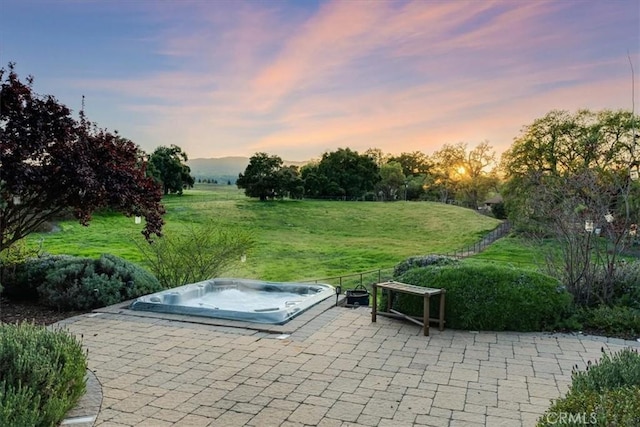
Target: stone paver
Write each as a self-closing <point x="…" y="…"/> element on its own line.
<point x="338" y="369"/>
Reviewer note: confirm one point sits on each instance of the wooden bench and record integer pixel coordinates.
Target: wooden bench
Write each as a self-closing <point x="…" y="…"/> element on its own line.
<point x="426" y="293"/>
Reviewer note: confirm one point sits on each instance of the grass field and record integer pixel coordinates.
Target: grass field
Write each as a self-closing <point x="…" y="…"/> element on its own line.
<point x="514" y="251"/>
<point x="295" y="240"/>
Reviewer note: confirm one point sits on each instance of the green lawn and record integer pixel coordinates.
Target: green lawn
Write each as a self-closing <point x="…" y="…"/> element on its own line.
<point x="516" y="252"/>
<point x="295" y="240"/>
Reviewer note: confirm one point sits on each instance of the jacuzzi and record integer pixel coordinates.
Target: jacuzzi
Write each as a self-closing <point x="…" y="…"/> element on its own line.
<point x="237" y="299"/>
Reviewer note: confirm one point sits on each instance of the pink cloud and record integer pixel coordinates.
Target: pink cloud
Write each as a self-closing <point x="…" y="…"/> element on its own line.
<point x="248" y="77"/>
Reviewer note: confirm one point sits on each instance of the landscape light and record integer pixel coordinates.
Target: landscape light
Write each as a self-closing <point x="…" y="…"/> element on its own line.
<point x="588" y="226"/>
<point x="17" y="200"/>
<point x="138" y="219"/>
<point x="609" y="217"/>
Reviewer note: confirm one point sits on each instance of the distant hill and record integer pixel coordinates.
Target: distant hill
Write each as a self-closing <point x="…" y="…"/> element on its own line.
<point x="223" y="169"/>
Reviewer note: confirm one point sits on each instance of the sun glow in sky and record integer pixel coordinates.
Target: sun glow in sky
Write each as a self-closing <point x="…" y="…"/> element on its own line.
<point x="299" y="78"/>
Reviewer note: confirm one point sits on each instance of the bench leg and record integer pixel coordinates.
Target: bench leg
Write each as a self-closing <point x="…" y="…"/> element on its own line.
<point x="375" y="304"/>
<point x="426" y="315"/>
<point x="442" y="310"/>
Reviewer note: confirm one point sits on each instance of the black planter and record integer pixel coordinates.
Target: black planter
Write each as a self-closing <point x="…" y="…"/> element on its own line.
<point x="358" y="296"/>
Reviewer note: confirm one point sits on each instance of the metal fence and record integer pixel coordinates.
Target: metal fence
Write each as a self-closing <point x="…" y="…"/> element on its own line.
<point x="501" y="231"/>
<point x="368" y="278"/>
<point x="365" y="278"/>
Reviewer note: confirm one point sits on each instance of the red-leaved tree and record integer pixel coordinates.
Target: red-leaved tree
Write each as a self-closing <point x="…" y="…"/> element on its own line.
<point x="51" y="163"/>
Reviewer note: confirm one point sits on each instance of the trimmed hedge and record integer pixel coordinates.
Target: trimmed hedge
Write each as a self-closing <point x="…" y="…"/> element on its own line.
<point x="72" y="283"/>
<point x="606" y="394"/>
<point x="42" y="375"/>
<point x="488" y="297"/>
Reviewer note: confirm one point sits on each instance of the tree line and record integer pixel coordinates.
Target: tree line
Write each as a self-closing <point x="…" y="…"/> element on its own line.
<point x="585" y="149"/>
<point x="454" y="174"/>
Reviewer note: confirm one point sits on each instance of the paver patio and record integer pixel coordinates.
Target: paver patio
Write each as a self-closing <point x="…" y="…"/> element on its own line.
<point x="340" y="370"/>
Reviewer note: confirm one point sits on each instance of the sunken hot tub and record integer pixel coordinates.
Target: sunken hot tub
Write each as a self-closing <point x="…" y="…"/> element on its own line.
<point x="237" y="299"/>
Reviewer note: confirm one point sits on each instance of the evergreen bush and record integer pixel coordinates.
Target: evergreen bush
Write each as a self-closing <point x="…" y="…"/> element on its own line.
<point x="42" y="375"/>
<point x="11" y="257"/>
<point x="136" y="280"/>
<point x="618" y="321"/>
<point x="488" y="297"/>
<point x="606" y="394"/>
<point x="627" y="284"/>
<point x="21" y="279"/>
<point x="72" y="283"/>
<point x="85" y="283"/>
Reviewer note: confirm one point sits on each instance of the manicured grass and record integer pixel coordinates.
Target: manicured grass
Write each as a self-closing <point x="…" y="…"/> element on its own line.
<point x="295" y="240"/>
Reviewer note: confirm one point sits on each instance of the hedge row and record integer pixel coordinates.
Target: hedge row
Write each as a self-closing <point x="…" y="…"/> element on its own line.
<point x="488" y="297"/>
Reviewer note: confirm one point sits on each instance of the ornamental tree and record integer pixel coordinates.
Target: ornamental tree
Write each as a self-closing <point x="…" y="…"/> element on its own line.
<point x="51" y="164"/>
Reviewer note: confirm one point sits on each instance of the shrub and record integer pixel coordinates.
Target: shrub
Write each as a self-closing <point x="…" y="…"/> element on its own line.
<point x="85" y="283"/>
<point x="499" y="210"/>
<point x="72" y="283"/>
<point x="619" y="321"/>
<point x="607" y="393"/>
<point x="489" y="297"/>
<point x="612" y="371"/>
<point x="202" y="253"/>
<point x="619" y="407"/>
<point x="370" y="197"/>
<point x="12" y="257"/>
<point x="42" y="375"/>
<point x="627" y="284"/>
<point x="21" y="281"/>
<point x="422" y="261"/>
<point x="137" y="281"/>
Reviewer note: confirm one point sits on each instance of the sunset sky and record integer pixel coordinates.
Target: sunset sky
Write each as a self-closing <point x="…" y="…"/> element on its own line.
<point x="299" y="78"/>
